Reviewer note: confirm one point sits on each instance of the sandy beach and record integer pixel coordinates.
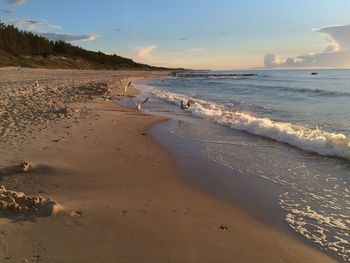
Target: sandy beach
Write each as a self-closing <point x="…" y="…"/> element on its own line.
<point x="99" y="189"/>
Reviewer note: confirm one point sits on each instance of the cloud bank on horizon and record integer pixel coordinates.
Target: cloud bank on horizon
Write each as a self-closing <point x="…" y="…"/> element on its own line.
<point x="337" y="54"/>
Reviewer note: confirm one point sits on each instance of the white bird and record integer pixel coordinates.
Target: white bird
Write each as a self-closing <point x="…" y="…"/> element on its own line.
<point x="127" y="86"/>
<point x="138" y="105"/>
<point x="186" y="106"/>
<point x="36" y="83"/>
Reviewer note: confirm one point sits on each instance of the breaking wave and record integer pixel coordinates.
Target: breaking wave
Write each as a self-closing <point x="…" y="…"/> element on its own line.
<point x="307" y="139"/>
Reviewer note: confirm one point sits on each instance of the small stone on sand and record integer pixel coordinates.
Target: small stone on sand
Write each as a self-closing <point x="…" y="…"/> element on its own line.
<point x="25" y="167"/>
<point x="223" y="227"/>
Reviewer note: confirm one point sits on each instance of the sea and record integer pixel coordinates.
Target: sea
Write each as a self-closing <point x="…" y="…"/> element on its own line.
<point x="290" y="128"/>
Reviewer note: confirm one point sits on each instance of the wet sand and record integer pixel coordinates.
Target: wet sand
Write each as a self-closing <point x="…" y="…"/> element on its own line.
<point x="122" y="197"/>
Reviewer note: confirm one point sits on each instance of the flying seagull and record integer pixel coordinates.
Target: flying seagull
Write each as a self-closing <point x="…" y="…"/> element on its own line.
<point x="186" y="106"/>
<point x="138" y="105"/>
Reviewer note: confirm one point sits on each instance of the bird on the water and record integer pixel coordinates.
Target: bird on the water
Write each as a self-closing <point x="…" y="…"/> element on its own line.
<point x="187" y="105"/>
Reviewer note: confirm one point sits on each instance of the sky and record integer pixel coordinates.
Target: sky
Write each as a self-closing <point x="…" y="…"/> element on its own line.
<point x="198" y="34"/>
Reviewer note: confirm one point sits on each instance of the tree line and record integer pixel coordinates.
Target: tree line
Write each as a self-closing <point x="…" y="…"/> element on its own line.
<point x="23" y="43"/>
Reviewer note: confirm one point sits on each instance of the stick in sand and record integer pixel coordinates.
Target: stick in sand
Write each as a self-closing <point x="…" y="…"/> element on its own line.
<point x="138" y="105"/>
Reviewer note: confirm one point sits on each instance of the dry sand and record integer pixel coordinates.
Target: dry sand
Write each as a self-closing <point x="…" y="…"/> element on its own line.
<point x="118" y="193"/>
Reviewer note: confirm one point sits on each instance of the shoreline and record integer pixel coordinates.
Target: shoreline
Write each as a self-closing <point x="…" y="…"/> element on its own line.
<point x="124" y="200"/>
<point x="252" y="195"/>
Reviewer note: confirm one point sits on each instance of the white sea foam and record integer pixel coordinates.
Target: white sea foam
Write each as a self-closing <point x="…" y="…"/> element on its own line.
<point x="312" y="140"/>
<point x="326" y="229"/>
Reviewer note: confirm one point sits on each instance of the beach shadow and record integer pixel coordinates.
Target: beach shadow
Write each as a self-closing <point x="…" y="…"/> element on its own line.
<point x="23" y="217"/>
<point x="10" y="170"/>
<point x="40" y="169"/>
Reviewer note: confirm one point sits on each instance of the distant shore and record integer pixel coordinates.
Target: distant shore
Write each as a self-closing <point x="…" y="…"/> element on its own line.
<point x="121" y="197"/>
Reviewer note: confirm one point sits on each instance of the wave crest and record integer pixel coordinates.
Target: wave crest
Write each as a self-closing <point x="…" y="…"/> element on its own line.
<point x="307" y="139"/>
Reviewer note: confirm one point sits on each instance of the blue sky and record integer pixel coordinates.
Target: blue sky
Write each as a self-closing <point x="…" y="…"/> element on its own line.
<point x="219" y="34"/>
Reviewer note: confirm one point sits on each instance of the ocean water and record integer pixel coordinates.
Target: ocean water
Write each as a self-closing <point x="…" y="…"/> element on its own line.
<point x="290" y="128"/>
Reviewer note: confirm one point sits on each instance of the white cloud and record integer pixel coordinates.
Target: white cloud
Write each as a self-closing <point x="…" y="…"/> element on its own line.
<point x="69" y="37"/>
<point x="8" y="11"/>
<point x="197" y="49"/>
<point x="145" y="53"/>
<point x="337" y="54"/>
<point x="13" y="4"/>
<point x="16" y="2"/>
<point x="339" y="36"/>
<point x="270" y="60"/>
<point x="45" y="29"/>
<point x="34" y="25"/>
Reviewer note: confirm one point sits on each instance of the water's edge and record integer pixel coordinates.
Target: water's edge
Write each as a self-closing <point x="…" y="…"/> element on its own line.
<point x="254" y="195"/>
